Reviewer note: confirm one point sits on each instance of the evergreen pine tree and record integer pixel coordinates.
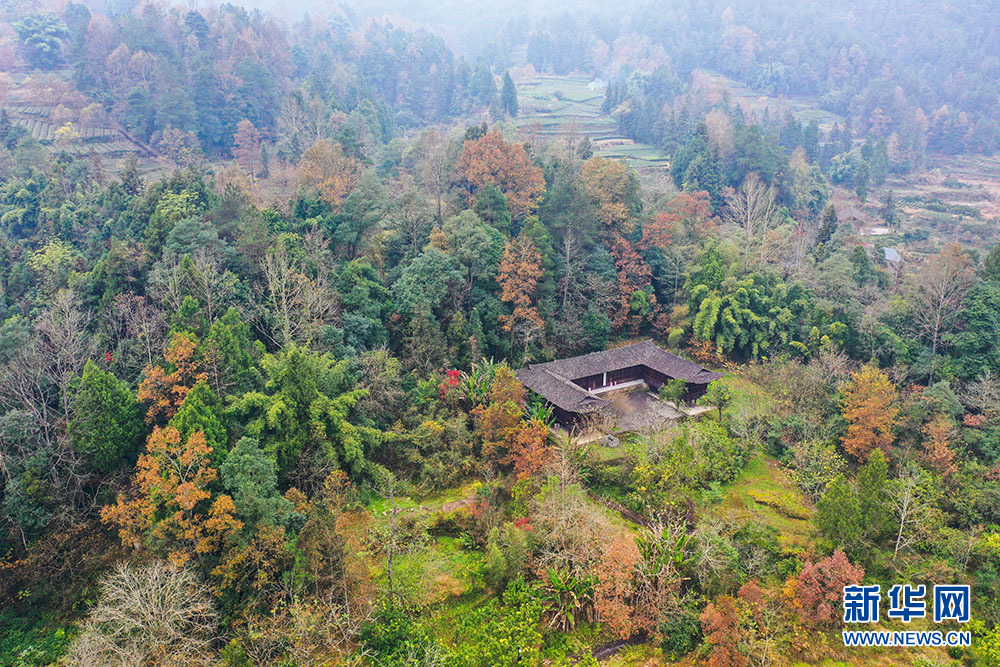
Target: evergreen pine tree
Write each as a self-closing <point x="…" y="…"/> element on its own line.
<point x="828" y="226"/>
<point x="508" y="96"/>
<point x="872" y="496"/>
<point x="106" y="426"/>
<point x="230" y="355"/>
<point x="251" y="478"/>
<point x="889" y="211"/>
<point x="201" y="412"/>
<point x="838" y="514"/>
<point x="991" y="265"/>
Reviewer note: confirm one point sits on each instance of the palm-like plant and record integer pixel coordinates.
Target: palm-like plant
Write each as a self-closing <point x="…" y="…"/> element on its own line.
<point x="478" y="382"/>
<point x="567" y="597"/>
<point x="664" y="549"/>
<point x="539" y="411"/>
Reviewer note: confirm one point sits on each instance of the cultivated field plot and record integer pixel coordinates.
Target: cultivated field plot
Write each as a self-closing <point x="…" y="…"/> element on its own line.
<point x="81" y="135"/>
<point x="805" y="109"/>
<point x="557" y="106"/>
<point x="956" y="199"/>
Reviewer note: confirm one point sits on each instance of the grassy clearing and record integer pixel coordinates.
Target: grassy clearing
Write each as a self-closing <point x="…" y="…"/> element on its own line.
<point x="643" y="655"/>
<point x="442" y="573"/>
<point x="428" y="502"/>
<point x="765" y="493"/>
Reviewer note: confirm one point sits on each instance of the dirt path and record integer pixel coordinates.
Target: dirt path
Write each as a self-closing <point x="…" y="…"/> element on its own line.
<point x="626" y="513"/>
<point x="456" y="504"/>
<point x="605" y="651"/>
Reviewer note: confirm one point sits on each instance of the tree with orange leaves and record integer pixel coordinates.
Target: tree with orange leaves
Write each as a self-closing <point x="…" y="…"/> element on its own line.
<point x="938" y="454"/>
<point x="868" y="400"/>
<point x="614" y="592"/>
<point x="333" y="174"/>
<point x="611" y="189"/>
<point x="246" y="146"/>
<point x="520" y="271"/>
<point x="170" y="505"/>
<point x="635" y="302"/>
<point x="638" y="578"/>
<point x="164" y="387"/>
<point x="530" y="449"/>
<point x="489" y="160"/>
<point x="496" y="423"/>
<point x="689" y="214"/>
<point x="721" y="624"/>
<point x="506" y="437"/>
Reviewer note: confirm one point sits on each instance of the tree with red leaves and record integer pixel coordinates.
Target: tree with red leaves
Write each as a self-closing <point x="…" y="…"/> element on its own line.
<point x="721" y="624"/>
<point x="689" y="215"/>
<point x="819" y="588"/>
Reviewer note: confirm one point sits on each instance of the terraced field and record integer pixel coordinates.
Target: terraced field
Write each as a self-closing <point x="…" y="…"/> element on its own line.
<point x="104" y="141"/>
<point x="956" y="199"/>
<point x="555" y="106"/>
<point x="805" y="109"/>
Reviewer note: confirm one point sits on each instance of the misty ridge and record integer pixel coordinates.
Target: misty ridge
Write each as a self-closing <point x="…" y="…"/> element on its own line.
<point x="861" y="60"/>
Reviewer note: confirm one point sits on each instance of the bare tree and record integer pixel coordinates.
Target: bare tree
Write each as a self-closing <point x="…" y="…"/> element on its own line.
<point x="201" y="276"/>
<point x="433" y="171"/>
<point x="410" y="219"/>
<point x="291" y="305"/>
<point x="306" y="119"/>
<point x="392" y="537"/>
<point x="152" y="615"/>
<point x="571" y="531"/>
<point x="572" y="137"/>
<point x="937" y="291"/>
<point x="907" y="499"/>
<point x="139" y="331"/>
<point x="570" y="284"/>
<point x="983" y="394"/>
<point x="63" y="342"/>
<point x="751" y="208"/>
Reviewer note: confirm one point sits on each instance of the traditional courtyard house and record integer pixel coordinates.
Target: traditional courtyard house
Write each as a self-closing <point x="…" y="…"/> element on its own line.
<point x="579" y="386"/>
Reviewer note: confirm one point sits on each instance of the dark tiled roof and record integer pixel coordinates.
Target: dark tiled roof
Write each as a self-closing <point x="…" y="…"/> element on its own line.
<point x="559" y="391"/>
<point x="554" y="380"/>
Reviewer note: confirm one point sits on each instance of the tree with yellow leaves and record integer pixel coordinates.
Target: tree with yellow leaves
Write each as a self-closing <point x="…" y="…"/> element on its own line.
<point x="611" y="189"/>
<point x="869" y="406"/>
<point x="333" y="174"/>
